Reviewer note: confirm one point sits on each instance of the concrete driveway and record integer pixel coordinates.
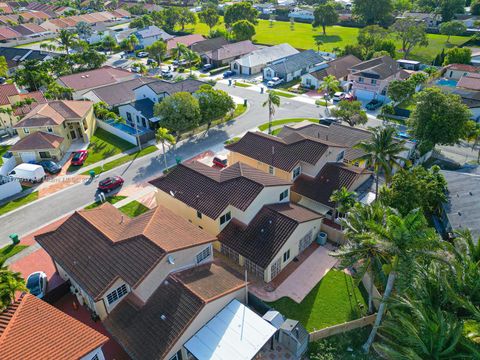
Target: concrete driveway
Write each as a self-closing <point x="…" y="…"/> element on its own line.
<point x="303" y="279"/>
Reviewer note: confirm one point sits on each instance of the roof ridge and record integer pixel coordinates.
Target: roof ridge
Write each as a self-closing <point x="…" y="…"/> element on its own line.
<point x="20" y="305"/>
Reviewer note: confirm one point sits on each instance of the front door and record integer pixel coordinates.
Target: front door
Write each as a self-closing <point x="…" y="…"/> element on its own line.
<point x="275" y="268"/>
<point x="73" y="134"/>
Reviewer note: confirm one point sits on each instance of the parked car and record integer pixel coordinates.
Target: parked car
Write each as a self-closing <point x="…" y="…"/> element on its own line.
<point x="166" y="74"/>
<point x="374" y="104"/>
<point x="79" y="158"/>
<point x="207" y="67"/>
<point x="110" y="183"/>
<point x="51" y="166"/>
<point x="350" y="97"/>
<point x="28" y="172"/>
<point x="151" y="61"/>
<point x="228" y="73"/>
<point x="142" y="54"/>
<point x="179" y="62"/>
<point x="37" y="284"/>
<point x="327" y="120"/>
<point x="220" y="161"/>
<point x="274" y="82"/>
<point x="2" y="80"/>
<point x="338" y="96"/>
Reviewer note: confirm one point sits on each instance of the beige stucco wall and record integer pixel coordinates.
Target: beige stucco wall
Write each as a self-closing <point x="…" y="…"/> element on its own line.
<point x="293" y="243"/>
<point x="183" y="259"/>
<point x="234" y="157"/>
<point x="310" y="204"/>
<point x="205" y="315"/>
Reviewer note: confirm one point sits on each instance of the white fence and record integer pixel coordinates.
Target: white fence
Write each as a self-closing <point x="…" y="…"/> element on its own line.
<point x="9" y="188"/>
<point x="117" y="132"/>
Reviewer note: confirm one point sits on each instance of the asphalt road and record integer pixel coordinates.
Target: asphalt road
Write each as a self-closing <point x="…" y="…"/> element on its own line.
<point x="46" y="210"/>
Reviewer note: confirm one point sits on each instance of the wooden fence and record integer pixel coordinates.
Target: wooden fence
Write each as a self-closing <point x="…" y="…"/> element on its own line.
<point x="341" y="328"/>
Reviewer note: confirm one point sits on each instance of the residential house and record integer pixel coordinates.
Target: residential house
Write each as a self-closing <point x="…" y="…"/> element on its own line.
<point x="107" y="256"/>
<point x="187" y="40"/>
<point x="369" y="79"/>
<point x="456" y="71"/>
<point x="470" y="98"/>
<point x="7" y="92"/>
<point x="225" y="54"/>
<point x="301" y="14"/>
<point x="8" y="34"/>
<point x="461" y="211"/>
<point x="147" y="36"/>
<point x="255" y="61"/>
<point x="83" y="82"/>
<point x="470" y="81"/>
<point x="207" y="45"/>
<point x="140" y="111"/>
<point x="339" y="68"/>
<point x="431" y="20"/>
<point x="271" y="240"/>
<point x="118" y="94"/>
<point x="9" y="99"/>
<point x="294" y="66"/>
<point x="409" y="64"/>
<point x="314" y="165"/>
<point x="30" y="30"/>
<point x="210" y="198"/>
<point x="49" y="129"/>
<point x="15" y="56"/>
<point x="475" y="60"/>
<point x="30" y="328"/>
<point x="265" y="9"/>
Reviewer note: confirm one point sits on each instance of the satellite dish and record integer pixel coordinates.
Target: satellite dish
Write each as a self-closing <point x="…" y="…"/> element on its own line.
<point x="172" y="193"/>
<point x="171" y="260"/>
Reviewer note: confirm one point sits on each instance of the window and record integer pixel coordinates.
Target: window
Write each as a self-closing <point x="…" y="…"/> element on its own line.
<point x="360" y="79"/>
<point x="271" y="170"/>
<point x="374" y="82"/>
<point x="297" y="172"/>
<point x="340" y="156"/>
<point x="117" y="294"/>
<point x="204" y="254"/>
<point x="95" y="357"/>
<point x="49" y="129"/>
<point x="199" y="214"/>
<point x="284" y="195"/>
<point x="286" y="255"/>
<point x="129" y="116"/>
<point x="26" y="131"/>
<point x="44" y="155"/>
<point x="225" y="218"/>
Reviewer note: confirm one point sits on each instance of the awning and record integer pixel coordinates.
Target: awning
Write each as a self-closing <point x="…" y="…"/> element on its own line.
<point x="235" y="333"/>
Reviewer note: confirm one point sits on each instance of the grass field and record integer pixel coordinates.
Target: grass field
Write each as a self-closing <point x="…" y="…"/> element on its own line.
<point x="303" y="37"/>
<point x="12" y="205"/>
<point x="103" y="145"/>
<point x="133" y="209"/>
<point x="334" y="300"/>
<point x="10" y="250"/>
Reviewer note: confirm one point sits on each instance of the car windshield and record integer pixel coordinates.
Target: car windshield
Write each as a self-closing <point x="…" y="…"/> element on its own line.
<point x="33" y="285"/>
<point x="77" y="156"/>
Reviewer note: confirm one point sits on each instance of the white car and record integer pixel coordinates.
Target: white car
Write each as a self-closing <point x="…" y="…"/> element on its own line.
<point x="142" y="54"/>
<point x="274" y="82"/>
<point x="37" y="284"/>
<point x="338" y="96"/>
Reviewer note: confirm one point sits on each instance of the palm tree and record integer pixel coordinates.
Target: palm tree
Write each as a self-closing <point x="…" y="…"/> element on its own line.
<point x="402" y="241"/>
<point x="473" y="136"/>
<point x="343" y="200"/>
<point x="318" y="43"/>
<point x="272" y="101"/>
<point x="67" y="39"/>
<point x="9" y="112"/>
<point x="129" y="43"/>
<point x="109" y="42"/>
<point x="330" y="85"/>
<point x="179" y="51"/>
<point x="157" y="50"/>
<point x="10" y="283"/>
<point x="163" y="136"/>
<point x="191" y="57"/>
<point x="382" y="153"/>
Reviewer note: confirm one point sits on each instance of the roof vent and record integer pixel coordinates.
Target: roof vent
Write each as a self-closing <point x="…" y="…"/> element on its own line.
<point x="270" y="221"/>
<point x="121" y="220"/>
<point x="166" y="282"/>
<point x="163" y="317"/>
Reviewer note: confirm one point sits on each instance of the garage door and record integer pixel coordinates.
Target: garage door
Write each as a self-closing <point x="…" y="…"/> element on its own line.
<point x="245" y="70"/>
<point x="364" y="95"/>
<point x="28" y="156"/>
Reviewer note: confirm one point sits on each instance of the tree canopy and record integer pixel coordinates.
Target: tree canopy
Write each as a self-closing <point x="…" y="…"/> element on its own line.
<point x="410" y="33"/>
<point x="458" y="55"/>
<point x="373" y="11"/>
<point x="453" y="27"/>
<point x="209" y="16"/>
<point x="351" y="112"/>
<point x="214" y="104"/>
<point x="243" y="30"/>
<point x="325" y="15"/>
<point x="178" y="112"/>
<point x="399" y="90"/>
<point x="240" y="11"/>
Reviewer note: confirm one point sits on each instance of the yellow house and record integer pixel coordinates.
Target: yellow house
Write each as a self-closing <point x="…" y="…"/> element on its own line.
<point x="49" y="129"/>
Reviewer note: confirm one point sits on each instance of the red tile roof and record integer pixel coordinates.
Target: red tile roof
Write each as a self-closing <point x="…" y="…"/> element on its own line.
<point x="6" y="91"/>
<point x="95" y="78"/>
<point x="463" y="67"/>
<point x="25" y="109"/>
<point x="32" y="329"/>
<point x="471" y="81"/>
<point x="38" y="140"/>
<point x="7" y="33"/>
<point x="186" y="40"/>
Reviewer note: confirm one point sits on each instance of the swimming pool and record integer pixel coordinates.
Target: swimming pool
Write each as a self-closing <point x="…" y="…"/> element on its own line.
<point x="446" y="82"/>
<point x="125" y="128"/>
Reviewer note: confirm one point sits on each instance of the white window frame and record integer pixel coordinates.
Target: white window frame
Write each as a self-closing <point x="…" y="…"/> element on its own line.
<point x="287" y="254"/>
<point x="49" y="129"/>
<point x="283" y="195"/>
<point x="26" y="130"/>
<point x="117" y="294"/>
<point x="295" y="174"/>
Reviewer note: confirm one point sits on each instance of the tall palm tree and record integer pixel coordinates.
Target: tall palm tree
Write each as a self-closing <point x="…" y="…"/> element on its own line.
<point x="192" y="57"/>
<point x="158" y="50"/>
<point x="163" y="136"/>
<point x="179" y="51"/>
<point x="318" y="43"/>
<point x="343" y="200"/>
<point x="329" y="85"/>
<point x="10" y="283"/>
<point x="382" y="153"/>
<point x="272" y="101"/>
<point x="66" y="39"/>
<point x="402" y="241"/>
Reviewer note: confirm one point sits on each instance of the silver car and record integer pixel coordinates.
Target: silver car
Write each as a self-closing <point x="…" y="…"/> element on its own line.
<point x="37" y="284"/>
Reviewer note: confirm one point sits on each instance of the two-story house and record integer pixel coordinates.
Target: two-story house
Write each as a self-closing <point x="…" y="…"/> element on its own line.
<point x="294" y="66"/>
<point x="241" y="197"/>
<point x="141" y="110"/>
<point x="49" y="129"/>
<point x="370" y="79"/>
<point x="147" y="36"/>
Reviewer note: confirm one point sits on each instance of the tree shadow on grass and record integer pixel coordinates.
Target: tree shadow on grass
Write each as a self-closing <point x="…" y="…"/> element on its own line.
<point x="327" y="38"/>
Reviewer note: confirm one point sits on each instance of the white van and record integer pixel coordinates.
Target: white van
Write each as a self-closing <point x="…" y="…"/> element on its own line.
<point x="28" y="172"/>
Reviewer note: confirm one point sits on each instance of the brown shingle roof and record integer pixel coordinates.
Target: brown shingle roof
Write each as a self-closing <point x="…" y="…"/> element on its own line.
<point x="210" y="190"/>
<point x="90" y="79"/>
<point x="38" y="140"/>
<point x="145" y="334"/>
<point x="383" y="66"/>
<point x="338" y="67"/>
<point x="281" y="153"/>
<point x="121" y="93"/>
<point x="333" y="176"/>
<point x="98" y="246"/>
<point x="34" y="329"/>
<point x="266" y="234"/>
<point x="55" y="113"/>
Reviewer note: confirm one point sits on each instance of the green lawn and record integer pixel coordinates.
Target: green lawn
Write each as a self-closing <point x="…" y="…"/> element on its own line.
<point x="133" y="209"/>
<point x="303" y="37"/>
<point x="242" y="84"/>
<point x="10" y="250"/>
<point x="111" y="200"/>
<point x="239" y="110"/>
<point x="264" y="127"/>
<point x="12" y="205"/>
<point x="122" y="160"/>
<point x="3" y="150"/>
<point x="407" y="104"/>
<point x="283" y="94"/>
<point x="103" y="145"/>
<point x="334" y="300"/>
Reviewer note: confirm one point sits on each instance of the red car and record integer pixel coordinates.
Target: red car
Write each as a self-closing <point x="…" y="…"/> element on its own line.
<point x="110" y="183"/>
<point x="350" y="97"/>
<point x="220" y="161"/>
<point x="79" y="158"/>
